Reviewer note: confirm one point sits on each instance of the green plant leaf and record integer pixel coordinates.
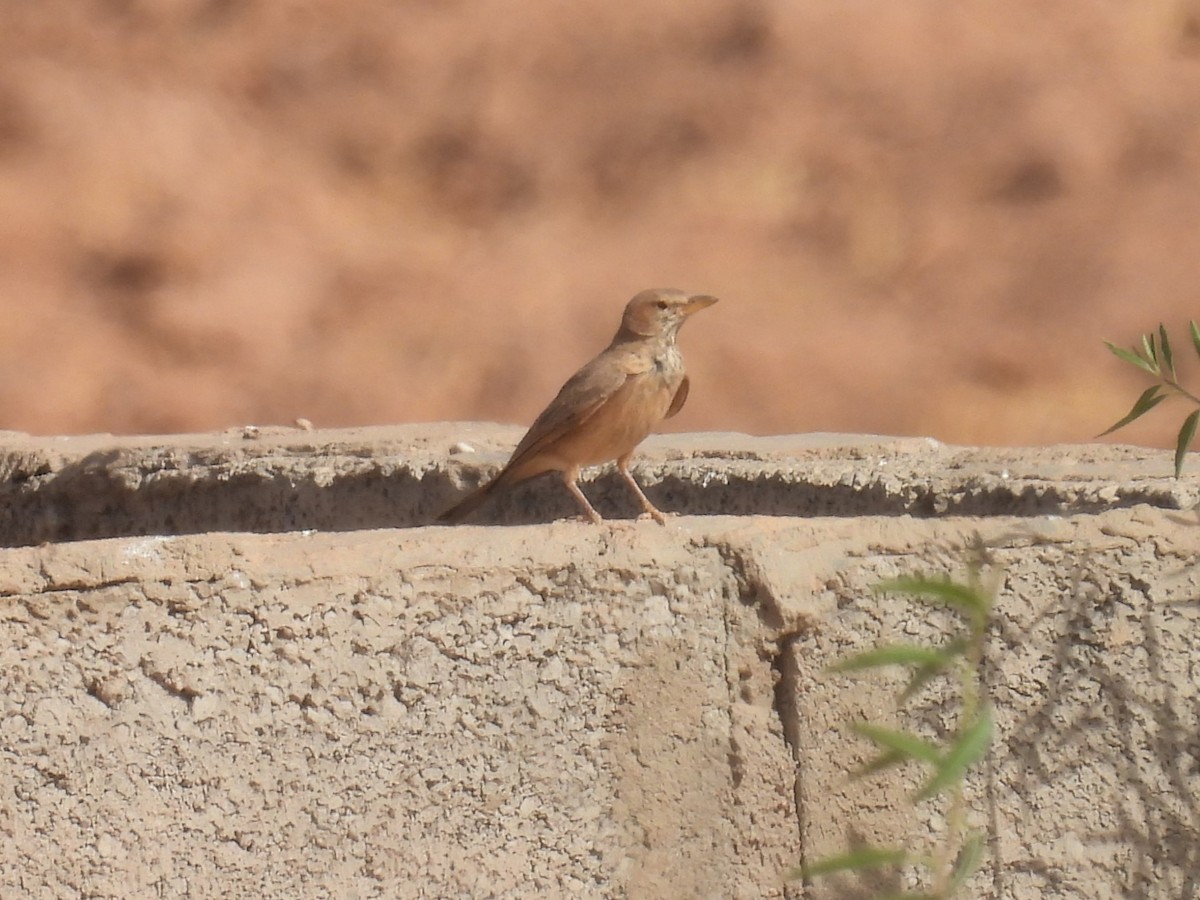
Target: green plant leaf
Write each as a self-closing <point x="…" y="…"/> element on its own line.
<point x="942" y="590"/>
<point x="969" y="858"/>
<point x="1148" y="346"/>
<point x="1195" y="335"/>
<point x="902" y="742"/>
<point x="920" y="678"/>
<point x="893" y="655"/>
<point x="867" y="857"/>
<point x="878" y="764"/>
<point x="942" y="659"/>
<point x="970" y="747"/>
<point x="1165" y="345"/>
<point x="1150" y="398"/>
<point x="1186" y="433"/>
<point x="1131" y="356"/>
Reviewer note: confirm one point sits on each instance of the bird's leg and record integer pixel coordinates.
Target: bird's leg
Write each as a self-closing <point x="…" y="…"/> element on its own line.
<point x="650" y="508"/>
<point x="568" y="478"/>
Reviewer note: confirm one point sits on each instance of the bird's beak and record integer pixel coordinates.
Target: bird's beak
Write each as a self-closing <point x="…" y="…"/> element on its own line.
<point x="698" y="302"/>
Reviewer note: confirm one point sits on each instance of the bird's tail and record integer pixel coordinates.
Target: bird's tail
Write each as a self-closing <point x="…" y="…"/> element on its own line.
<point x="467" y="504"/>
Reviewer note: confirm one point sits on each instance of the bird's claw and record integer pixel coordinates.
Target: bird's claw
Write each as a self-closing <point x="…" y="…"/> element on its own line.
<point x="657" y="515"/>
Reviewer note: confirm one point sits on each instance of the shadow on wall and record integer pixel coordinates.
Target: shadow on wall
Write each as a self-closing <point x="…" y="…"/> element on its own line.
<point x="1114" y="644"/>
<point x="120" y="493"/>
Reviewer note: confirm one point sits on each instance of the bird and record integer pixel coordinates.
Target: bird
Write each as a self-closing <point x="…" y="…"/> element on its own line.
<point x="608" y="407"/>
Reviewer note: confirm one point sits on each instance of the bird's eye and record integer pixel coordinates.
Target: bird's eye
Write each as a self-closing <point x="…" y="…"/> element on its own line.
<point x="662" y="304"/>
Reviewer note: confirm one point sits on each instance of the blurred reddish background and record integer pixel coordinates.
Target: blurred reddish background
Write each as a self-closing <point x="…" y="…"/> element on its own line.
<point x="921" y="217"/>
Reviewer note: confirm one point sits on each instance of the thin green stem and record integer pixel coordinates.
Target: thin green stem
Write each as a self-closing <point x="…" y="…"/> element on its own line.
<point x="968" y="670"/>
<point x="955" y="852"/>
<point x="1177" y="387"/>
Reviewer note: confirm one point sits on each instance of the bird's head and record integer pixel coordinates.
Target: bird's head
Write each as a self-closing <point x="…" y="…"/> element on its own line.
<point x="660" y="312"/>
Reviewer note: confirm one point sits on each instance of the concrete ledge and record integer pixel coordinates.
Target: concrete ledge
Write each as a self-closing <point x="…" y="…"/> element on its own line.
<point x="285" y="479"/>
<point x="561" y="709"/>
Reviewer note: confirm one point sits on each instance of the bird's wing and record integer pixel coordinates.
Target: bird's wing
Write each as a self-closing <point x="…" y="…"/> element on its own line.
<point x="583" y="394"/>
<point x="680" y="397"/>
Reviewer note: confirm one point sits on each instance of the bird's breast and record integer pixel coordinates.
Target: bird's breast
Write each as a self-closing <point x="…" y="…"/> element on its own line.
<point x="626" y="418"/>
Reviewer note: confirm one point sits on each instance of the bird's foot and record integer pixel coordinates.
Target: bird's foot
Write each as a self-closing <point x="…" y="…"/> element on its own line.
<point x="657" y="515"/>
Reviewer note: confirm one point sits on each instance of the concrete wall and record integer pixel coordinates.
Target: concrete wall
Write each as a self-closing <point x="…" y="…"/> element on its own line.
<point x="351" y="703"/>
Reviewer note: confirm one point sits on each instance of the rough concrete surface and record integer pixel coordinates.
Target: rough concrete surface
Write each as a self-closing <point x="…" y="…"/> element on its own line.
<point x="352" y="703"/>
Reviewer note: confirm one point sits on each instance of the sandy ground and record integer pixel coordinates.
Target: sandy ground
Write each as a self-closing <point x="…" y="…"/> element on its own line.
<point x="922" y="218"/>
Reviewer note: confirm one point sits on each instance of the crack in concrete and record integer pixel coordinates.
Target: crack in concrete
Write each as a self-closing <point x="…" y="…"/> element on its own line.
<point x="754" y="591"/>
<point x="786" y="687"/>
